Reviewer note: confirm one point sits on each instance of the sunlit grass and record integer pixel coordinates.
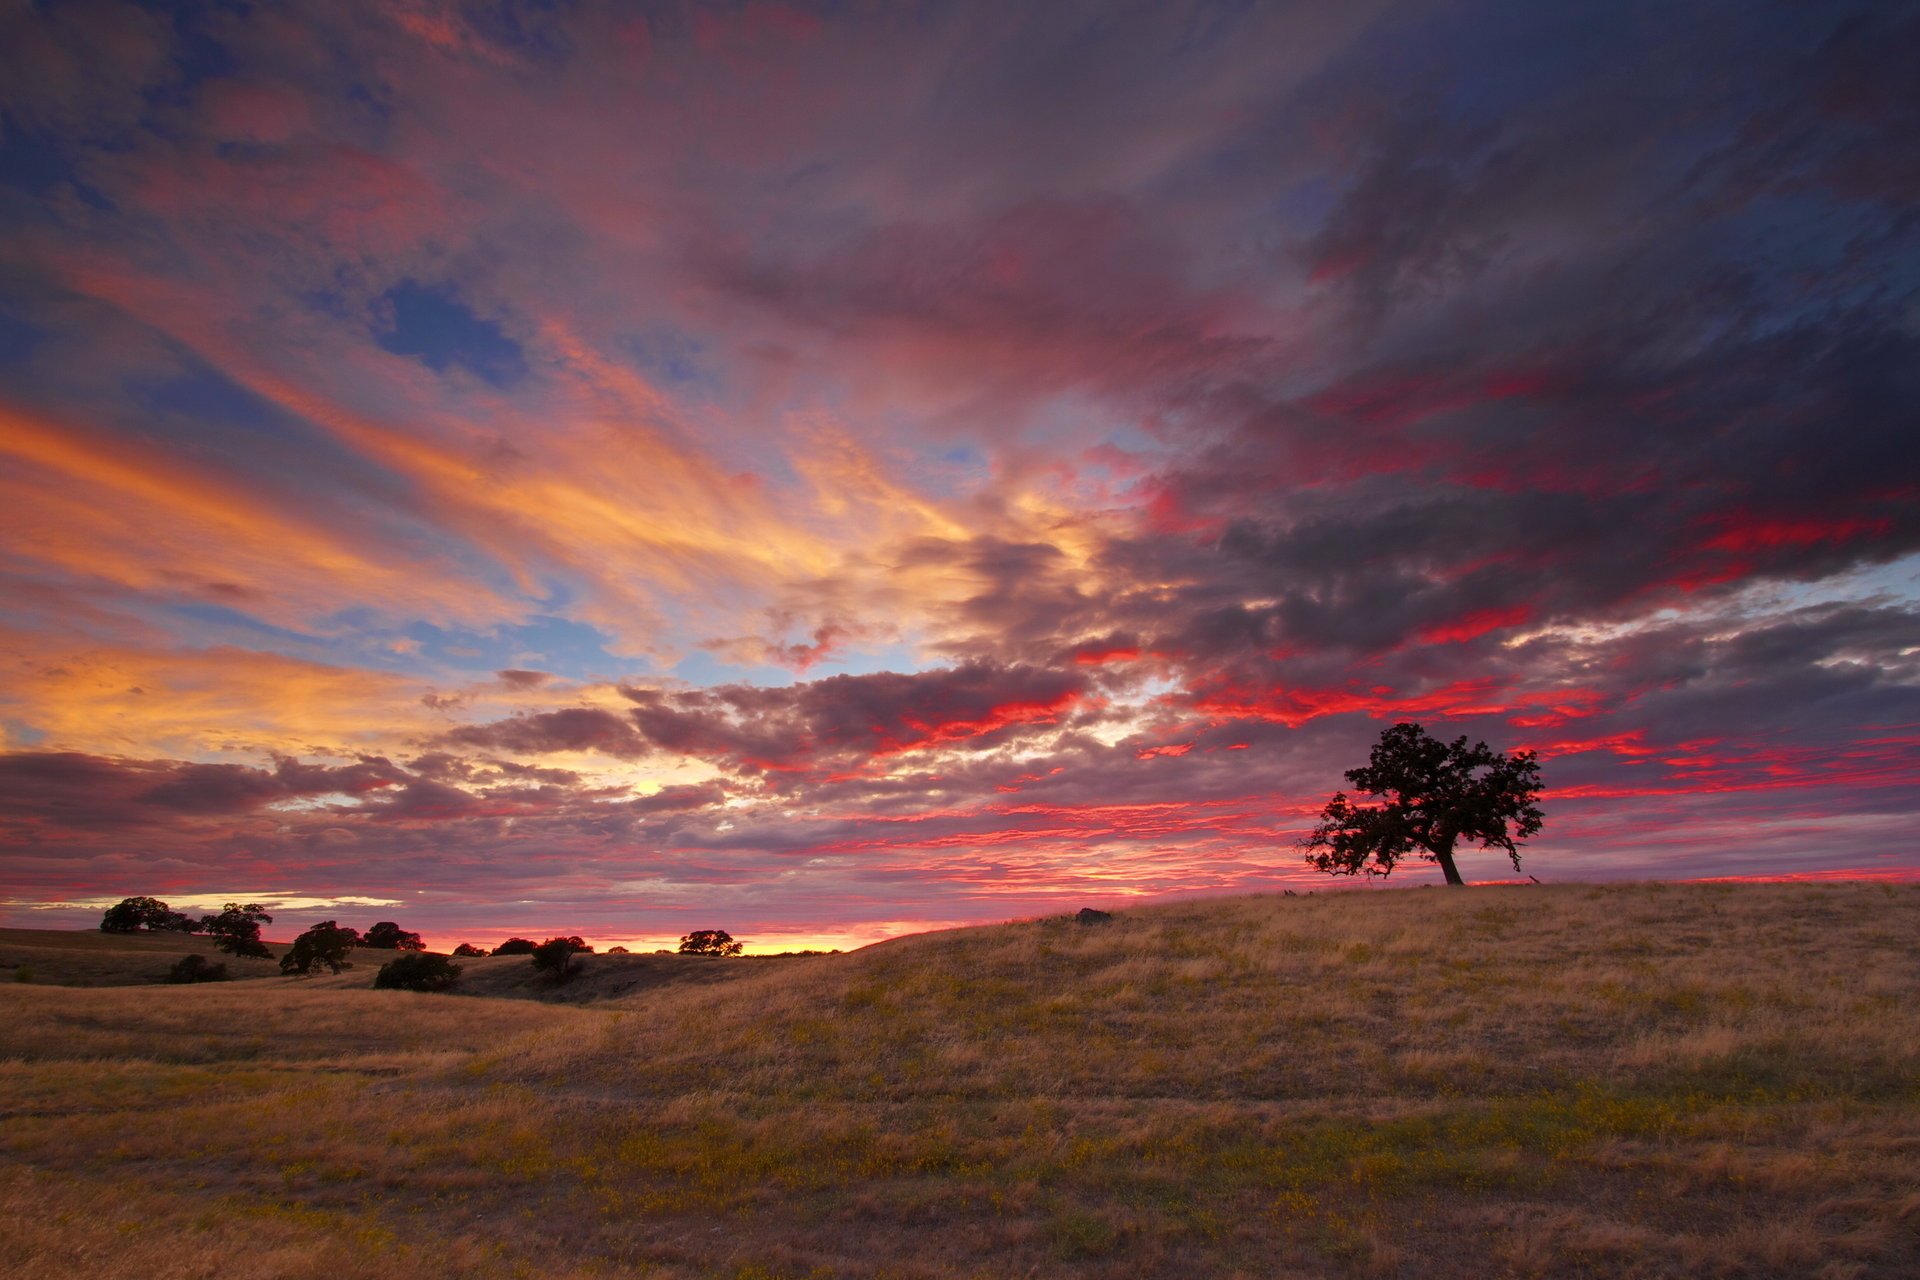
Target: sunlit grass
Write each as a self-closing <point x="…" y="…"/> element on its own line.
<point x="1619" y="1081"/>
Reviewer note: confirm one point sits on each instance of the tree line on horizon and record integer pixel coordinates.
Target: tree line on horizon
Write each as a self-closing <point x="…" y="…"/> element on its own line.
<point x="236" y="930"/>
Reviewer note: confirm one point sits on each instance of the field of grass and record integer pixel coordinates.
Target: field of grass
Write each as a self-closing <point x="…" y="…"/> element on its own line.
<point x="1515" y="1081"/>
<point x="93" y="959"/>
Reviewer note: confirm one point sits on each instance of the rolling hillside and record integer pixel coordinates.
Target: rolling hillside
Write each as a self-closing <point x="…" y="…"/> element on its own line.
<point x="1620" y="1081"/>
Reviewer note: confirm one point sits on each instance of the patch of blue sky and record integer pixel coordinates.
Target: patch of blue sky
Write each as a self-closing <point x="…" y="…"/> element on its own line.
<point x="198" y="56"/>
<point x="434" y="326"/>
<point x="566" y="648"/>
<point x="215" y="624"/>
<point x="15" y="734"/>
<point x="38" y="164"/>
<point x="535" y="29"/>
<point x="675" y="358"/>
<point x="701" y="667"/>
<point x="18" y="338"/>
<point x="1895" y="583"/>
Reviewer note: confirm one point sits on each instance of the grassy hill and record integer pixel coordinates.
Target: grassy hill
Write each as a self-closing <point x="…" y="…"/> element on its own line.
<point x="72" y="958"/>
<point x="88" y="958"/>
<point x="1619" y="1081"/>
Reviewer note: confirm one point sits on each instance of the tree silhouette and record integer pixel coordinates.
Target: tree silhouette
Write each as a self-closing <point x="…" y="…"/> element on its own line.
<point x="468" y="949"/>
<point x="388" y="936"/>
<point x="417" y="971"/>
<point x="131" y="914"/>
<point x="709" y="942"/>
<point x="555" y="957"/>
<point x="1431" y="795"/>
<point x="326" y="943"/>
<point x="516" y="947"/>
<point x="236" y="930"/>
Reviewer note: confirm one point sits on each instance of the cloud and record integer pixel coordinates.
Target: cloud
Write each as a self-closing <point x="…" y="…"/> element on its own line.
<point x="571" y="729"/>
<point x="1004" y="455"/>
<point x="846" y="720"/>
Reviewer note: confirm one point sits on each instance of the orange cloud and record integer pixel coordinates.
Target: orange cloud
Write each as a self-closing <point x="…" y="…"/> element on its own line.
<point x="124" y="513"/>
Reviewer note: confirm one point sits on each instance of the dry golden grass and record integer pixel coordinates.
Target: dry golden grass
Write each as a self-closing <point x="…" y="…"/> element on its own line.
<point x="92" y="959"/>
<point x="1621" y="1081"/>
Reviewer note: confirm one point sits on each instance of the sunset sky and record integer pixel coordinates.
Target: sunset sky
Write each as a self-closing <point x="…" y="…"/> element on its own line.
<point x="826" y="471"/>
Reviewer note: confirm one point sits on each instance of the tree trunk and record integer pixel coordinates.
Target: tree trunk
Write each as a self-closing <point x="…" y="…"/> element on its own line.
<point x="1443" y="854"/>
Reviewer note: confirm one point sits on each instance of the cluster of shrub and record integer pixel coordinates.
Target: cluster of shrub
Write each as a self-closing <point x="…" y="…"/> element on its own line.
<point x="236" y="931"/>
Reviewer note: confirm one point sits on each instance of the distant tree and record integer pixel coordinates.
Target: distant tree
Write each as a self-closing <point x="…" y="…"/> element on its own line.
<point x="1430" y="795"/>
<point x="388" y="936"/>
<point x="516" y="947"/>
<point x="709" y="942"/>
<point x="236" y="930"/>
<point x="468" y="949"/>
<point x="326" y="943"/>
<point x="132" y="914"/>
<point x="177" y="922"/>
<point x="555" y="957"/>
<point x="196" y="968"/>
<point x="617" y="950"/>
<point x="417" y="971"/>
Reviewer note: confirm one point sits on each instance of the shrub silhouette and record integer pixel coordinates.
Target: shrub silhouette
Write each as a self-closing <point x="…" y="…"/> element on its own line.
<point x="516" y="947"/>
<point x="388" y="936"/>
<point x="326" y="943"/>
<point x="709" y="942"/>
<point x="468" y="949"/>
<point x="1431" y="794"/>
<point x="196" y="968"/>
<point x="417" y="971"/>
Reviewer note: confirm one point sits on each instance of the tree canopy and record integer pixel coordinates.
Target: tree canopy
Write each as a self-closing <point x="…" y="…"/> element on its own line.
<point x="516" y="947"/>
<point x="130" y="914"/>
<point x="236" y="930"/>
<point x="388" y="936"/>
<point x="417" y="971"/>
<point x="325" y="943"/>
<point x="555" y="957"/>
<point x="709" y="942"/>
<point x="1427" y="796"/>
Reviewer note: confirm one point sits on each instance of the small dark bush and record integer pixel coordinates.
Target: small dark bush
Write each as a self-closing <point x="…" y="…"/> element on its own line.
<point x="196" y="969"/>
<point x="418" y="971"/>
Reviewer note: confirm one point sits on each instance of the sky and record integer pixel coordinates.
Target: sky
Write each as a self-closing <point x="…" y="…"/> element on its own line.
<point x="829" y="471"/>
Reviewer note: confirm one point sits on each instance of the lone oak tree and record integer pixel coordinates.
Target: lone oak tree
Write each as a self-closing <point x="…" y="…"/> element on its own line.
<point x="1430" y="795"/>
